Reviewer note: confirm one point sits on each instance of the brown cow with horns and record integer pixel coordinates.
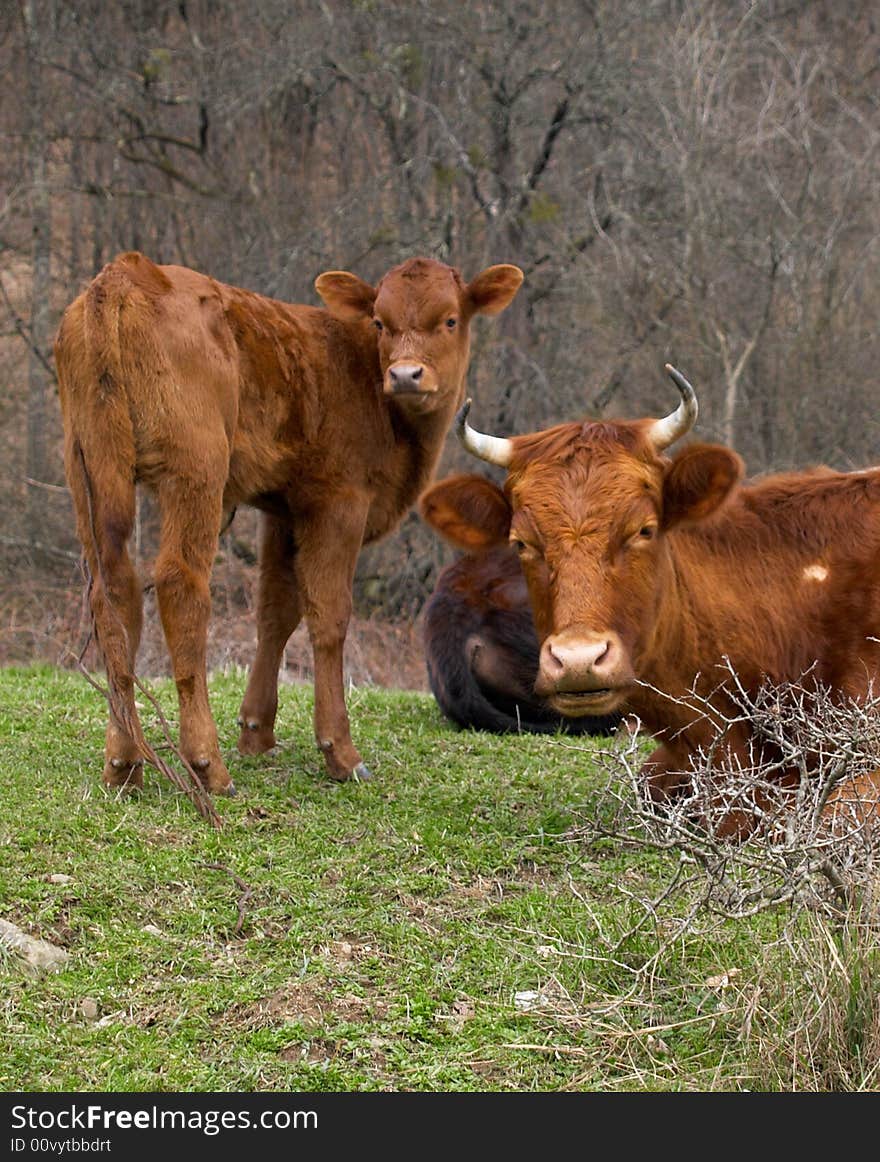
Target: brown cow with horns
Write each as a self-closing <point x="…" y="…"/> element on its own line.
<point x="652" y="577"/>
<point x="330" y="422"/>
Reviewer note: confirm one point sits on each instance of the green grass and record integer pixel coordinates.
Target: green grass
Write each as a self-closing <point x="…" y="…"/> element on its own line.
<point x="369" y="936"/>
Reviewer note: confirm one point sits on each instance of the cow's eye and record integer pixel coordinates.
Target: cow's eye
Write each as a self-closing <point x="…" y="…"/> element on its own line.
<point x="646" y="532"/>
<point x="451" y="324"/>
<point x="520" y="546"/>
<point x="377" y="323"/>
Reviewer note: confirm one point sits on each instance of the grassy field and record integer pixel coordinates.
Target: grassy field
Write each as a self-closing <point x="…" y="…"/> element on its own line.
<point x="457" y="924"/>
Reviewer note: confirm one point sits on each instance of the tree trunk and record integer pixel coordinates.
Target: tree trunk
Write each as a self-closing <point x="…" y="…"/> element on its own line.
<point x="36" y="21"/>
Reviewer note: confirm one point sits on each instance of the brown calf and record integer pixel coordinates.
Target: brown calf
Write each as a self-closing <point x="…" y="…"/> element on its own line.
<point x="654" y="579"/>
<point x="330" y="422"/>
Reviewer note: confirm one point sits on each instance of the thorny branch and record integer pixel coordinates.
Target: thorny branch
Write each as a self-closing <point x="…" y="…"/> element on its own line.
<point x="245" y="889"/>
<point x="799" y="854"/>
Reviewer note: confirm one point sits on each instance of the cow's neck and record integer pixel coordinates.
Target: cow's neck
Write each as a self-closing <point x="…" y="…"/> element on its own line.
<point x="676" y="670"/>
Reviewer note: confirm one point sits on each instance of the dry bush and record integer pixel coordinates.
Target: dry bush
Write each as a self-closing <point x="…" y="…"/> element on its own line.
<point x="799" y="850"/>
<point x="803" y="892"/>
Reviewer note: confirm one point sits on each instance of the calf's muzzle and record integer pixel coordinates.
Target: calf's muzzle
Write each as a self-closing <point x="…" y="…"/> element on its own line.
<point x="406" y="377"/>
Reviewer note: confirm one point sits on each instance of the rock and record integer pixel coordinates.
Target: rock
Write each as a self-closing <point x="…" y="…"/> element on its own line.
<point x="34" y="955"/>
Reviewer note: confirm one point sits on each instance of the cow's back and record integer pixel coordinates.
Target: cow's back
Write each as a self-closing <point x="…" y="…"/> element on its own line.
<point x="784" y="583"/>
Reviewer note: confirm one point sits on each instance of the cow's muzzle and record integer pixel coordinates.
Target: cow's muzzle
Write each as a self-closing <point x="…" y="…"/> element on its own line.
<point x="582" y="674"/>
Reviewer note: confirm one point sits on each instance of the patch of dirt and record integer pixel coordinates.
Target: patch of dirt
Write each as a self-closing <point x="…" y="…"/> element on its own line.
<point x="342" y="953"/>
<point x="297" y="1001"/>
<point x="323" y="1050"/>
<point x="310" y="1005"/>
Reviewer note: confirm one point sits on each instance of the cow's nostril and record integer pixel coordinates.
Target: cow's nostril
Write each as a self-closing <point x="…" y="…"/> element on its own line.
<point x="570" y="658"/>
<point x="555" y="663"/>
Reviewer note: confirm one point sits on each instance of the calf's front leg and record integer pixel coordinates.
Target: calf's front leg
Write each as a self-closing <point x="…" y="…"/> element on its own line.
<point x="278" y="614"/>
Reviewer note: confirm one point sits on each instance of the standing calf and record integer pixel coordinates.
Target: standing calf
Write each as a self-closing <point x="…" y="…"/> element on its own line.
<point x="330" y="422"/>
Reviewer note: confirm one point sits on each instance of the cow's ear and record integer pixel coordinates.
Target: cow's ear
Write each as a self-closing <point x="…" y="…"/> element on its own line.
<point x="467" y="510"/>
<point x="490" y="292"/>
<point x="698" y="481"/>
<point x="345" y="295"/>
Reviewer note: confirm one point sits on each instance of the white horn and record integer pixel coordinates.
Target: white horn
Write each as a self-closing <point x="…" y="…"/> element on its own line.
<point x="679" y="423"/>
<point x="492" y="449"/>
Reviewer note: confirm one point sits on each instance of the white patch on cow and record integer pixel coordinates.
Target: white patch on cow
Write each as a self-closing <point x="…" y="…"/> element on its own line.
<point x="815" y="573"/>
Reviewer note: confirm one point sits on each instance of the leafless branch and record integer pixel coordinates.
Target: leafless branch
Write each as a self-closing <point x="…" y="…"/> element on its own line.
<point x="245" y="889"/>
<point x="815" y="845"/>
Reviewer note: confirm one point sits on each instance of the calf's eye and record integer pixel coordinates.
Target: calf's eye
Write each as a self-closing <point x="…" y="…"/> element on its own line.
<point x="451" y="324"/>
<point x="377" y="323"/>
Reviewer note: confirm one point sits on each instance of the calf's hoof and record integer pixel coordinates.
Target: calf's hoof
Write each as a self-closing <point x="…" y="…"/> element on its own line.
<point x="255" y="738"/>
<point x="213" y="775"/>
<point x="120" y="774"/>
<point x="341" y="772"/>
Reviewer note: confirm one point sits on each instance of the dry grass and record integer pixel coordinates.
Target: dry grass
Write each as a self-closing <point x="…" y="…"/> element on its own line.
<point x="47" y="622"/>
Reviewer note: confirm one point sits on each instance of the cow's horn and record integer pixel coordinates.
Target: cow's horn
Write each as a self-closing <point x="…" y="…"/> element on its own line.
<point x="679" y="423"/>
<point x="492" y="449"/>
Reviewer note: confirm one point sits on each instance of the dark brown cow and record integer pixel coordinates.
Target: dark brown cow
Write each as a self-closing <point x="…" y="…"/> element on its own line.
<point x="481" y="650"/>
<point x="328" y="421"/>
<point x="652" y="577"/>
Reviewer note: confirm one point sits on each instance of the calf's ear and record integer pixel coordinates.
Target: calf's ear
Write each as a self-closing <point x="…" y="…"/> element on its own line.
<point x="345" y="295"/>
<point x="699" y="480"/>
<point x="467" y="510"/>
<point x="490" y="292"/>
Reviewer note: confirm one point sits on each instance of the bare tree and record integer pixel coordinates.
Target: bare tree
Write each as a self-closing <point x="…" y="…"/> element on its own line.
<point x="38" y="18"/>
<point x="689" y="181"/>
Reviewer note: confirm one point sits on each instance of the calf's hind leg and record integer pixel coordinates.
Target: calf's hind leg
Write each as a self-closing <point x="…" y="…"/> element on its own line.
<point x="191" y="513"/>
<point x="123" y="760"/>
<point x="105" y="518"/>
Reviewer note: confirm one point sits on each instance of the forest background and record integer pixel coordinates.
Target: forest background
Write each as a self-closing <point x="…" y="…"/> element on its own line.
<point x="686" y="181"/>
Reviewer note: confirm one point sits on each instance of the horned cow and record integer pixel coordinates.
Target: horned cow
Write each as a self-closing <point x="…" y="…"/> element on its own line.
<point x="329" y="421"/>
<point x="654" y="577"/>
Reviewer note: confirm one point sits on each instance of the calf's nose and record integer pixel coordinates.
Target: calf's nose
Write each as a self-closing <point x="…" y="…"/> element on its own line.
<point x="405" y="377"/>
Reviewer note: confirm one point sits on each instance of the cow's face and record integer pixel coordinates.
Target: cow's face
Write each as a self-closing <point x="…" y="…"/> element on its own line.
<point x="589" y="508"/>
<point x="421" y="312"/>
<point x="586" y="526"/>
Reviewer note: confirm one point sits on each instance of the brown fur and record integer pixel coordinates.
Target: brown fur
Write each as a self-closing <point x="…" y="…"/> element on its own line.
<point x="647" y="574"/>
<point x="214" y="396"/>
